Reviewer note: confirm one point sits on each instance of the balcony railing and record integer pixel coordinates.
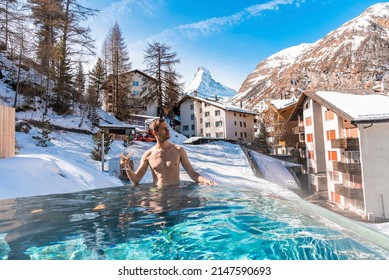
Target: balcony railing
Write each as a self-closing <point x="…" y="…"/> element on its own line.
<point x="351" y="193"/>
<point x="351" y="168"/>
<point x="349" y="144"/>
<point x="298" y="129"/>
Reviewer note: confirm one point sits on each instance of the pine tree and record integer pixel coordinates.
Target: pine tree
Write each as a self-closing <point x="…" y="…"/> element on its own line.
<point x="94" y="94"/>
<point x="44" y="134"/>
<point x="64" y="85"/>
<point x="108" y="139"/>
<point x="94" y="118"/>
<point x="118" y="63"/>
<point x="46" y="15"/>
<point x="262" y="139"/>
<point x="62" y="40"/>
<point x="160" y="65"/>
<point x="173" y="91"/>
<point x="8" y="24"/>
<point x="79" y="84"/>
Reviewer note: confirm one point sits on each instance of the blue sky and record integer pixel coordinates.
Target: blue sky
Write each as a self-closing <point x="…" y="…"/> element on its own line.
<point x="228" y="37"/>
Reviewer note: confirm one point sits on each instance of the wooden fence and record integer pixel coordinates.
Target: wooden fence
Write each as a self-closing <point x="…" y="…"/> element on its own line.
<point x="7" y="131"/>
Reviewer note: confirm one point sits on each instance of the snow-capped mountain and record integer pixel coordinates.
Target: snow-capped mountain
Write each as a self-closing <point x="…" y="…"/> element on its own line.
<point x="207" y="87"/>
<point x="354" y="57"/>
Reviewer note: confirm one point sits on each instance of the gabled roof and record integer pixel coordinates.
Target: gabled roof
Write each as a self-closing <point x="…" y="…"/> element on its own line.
<point x="134" y="71"/>
<point x="225" y="107"/>
<point x="357" y="108"/>
<point x="142" y="73"/>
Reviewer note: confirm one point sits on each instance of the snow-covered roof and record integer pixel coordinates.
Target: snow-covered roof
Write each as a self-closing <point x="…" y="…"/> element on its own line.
<point x="359" y="107"/>
<point x="227" y="107"/>
<point x="283" y="103"/>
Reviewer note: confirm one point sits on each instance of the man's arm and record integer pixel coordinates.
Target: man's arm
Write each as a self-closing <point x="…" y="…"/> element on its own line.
<point x="136" y="176"/>
<point x="191" y="172"/>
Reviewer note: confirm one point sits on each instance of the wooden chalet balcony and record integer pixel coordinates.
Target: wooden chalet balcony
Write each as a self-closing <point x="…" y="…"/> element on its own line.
<point x="349" y="144"/>
<point x="298" y="129"/>
<point x="351" y="168"/>
<point x="351" y="193"/>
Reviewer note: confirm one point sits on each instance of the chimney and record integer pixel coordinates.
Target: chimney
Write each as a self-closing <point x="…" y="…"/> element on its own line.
<point x="216" y="99"/>
<point x="195" y="93"/>
<point x="241" y="104"/>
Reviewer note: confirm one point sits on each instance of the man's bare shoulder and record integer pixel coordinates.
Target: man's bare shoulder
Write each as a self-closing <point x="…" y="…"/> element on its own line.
<point x="177" y="147"/>
<point x="148" y="152"/>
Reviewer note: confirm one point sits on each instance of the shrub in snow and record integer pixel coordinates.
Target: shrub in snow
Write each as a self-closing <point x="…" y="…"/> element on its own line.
<point x="44" y="134"/>
<point x="108" y="139"/>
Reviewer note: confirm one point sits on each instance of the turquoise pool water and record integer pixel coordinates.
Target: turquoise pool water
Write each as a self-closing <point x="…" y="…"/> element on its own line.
<point x="180" y="223"/>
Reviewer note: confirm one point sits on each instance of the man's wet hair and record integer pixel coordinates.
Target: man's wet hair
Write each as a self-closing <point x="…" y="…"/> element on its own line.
<point x="154" y="124"/>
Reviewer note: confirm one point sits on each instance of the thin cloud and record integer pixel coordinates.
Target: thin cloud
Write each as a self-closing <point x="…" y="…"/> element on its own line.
<point x="126" y="7"/>
<point x="217" y="24"/>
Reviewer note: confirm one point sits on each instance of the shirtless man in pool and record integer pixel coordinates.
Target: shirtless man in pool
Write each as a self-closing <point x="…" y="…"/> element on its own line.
<point x="164" y="160"/>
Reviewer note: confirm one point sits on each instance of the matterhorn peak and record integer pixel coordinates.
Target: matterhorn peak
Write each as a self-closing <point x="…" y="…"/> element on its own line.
<point x="207" y="87"/>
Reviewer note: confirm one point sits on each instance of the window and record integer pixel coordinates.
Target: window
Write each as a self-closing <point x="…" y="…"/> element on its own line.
<point x="191" y="106"/>
<point x="332" y="155"/>
<point x="206" y="114"/>
<point x="244" y="124"/>
<point x="208" y="135"/>
<point x="185" y="128"/>
<point x="135" y="92"/>
<point x="192" y="117"/>
<point x="311" y="154"/>
<point x="235" y="123"/>
<point x="236" y="134"/>
<point x="355" y="181"/>
<point x="193" y="127"/>
<point x="218" y="123"/>
<point x="245" y="135"/>
<point x="219" y="134"/>
<point x="240" y="124"/>
<point x="310" y="137"/>
<point x="352" y="156"/>
<point x="307" y="105"/>
<point x="201" y="120"/>
<point x="334" y="176"/>
<point x="207" y="124"/>
<point x="201" y="110"/>
<point x="135" y="83"/>
<point x="329" y="115"/>
<point x="144" y="79"/>
<point x="201" y="131"/>
<point x="241" y="135"/>
<point x="330" y="135"/>
<point x="217" y="113"/>
<point x="308" y="121"/>
<point x="205" y="105"/>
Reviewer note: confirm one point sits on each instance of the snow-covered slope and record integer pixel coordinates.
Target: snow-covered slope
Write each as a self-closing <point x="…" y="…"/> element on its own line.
<point x="207" y="87"/>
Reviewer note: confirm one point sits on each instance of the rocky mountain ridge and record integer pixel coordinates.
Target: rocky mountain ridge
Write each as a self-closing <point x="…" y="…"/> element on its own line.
<point x="354" y="57"/>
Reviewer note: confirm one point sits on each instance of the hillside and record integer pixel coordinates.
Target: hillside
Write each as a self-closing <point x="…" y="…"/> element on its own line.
<point x="354" y="57"/>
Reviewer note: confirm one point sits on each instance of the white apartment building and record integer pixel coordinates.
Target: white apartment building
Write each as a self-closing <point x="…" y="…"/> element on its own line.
<point x="347" y="149"/>
<point x="136" y="84"/>
<point x="209" y="118"/>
